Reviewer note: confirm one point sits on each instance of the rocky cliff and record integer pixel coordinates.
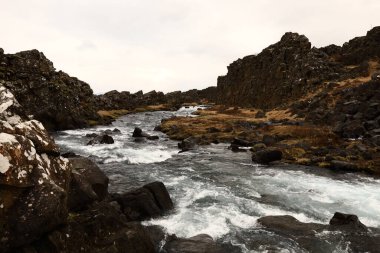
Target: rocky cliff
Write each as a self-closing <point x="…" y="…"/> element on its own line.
<point x="54" y="98"/>
<point x="291" y="68"/>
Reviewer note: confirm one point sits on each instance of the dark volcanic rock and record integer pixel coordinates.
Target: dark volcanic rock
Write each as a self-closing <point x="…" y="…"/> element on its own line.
<point x="34" y="179"/>
<point x="88" y="183"/>
<point x="102" y="139"/>
<point x="349" y="220"/>
<point x="197" y="244"/>
<point x="266" y="156"/>
<point x="54" y="98"/>
<point x="343" y="228"/>
<point x="149" y="201"/>
<point x="101" y="228"/>
<point x="283" y="71"/>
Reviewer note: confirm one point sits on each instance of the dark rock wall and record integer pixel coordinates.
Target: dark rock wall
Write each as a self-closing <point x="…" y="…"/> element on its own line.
<point x="54" y="98"/>
<point x="290" y="68"/>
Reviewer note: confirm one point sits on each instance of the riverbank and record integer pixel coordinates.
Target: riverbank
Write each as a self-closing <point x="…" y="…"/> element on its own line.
<point x="301" y="142"/>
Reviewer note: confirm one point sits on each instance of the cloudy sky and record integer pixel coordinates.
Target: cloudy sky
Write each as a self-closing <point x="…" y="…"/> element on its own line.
<point x="170" y="44"/>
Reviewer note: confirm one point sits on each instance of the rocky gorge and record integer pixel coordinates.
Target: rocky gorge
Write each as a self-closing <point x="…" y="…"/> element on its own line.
<point x="129" y="190"/>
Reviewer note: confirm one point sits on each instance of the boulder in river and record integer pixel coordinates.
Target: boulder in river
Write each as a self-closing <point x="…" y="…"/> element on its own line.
<point x="187" y="144"/>
<point x="267" y="156"/>
<point x="102" y="139"/>
<point x="146" y="202"/>
<point x="139" y="133"/>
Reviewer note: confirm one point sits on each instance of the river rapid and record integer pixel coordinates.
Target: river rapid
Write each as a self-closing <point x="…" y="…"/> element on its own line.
<point x="221" y="193"/>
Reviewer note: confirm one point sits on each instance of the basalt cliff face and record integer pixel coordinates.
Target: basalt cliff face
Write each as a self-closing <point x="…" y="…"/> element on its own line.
<point x="291" y="68"/>
<point x="54" y="98"/>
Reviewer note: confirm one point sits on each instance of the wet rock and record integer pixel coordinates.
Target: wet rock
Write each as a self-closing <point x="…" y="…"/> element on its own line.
<point x="197" y="244"/>
<point x="100" y="228"/>
<point x="116" y="130"/>
<point x="88" y="184"/>
<point x="139" y="133"/>
<point x="102" y="139"/>
<point x="349" y="221"/>
<point x="258" y="146"/>
<point x="266" y="156"/>
<point x="343" y="228"/>
<point x="343" y="166"/>
<point x="146" y="202"/>
<point x="187" y="144"/>
<point x="92" y="135"/>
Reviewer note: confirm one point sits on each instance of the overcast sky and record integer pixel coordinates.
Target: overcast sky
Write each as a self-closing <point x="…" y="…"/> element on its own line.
<point x="170" y="45"/>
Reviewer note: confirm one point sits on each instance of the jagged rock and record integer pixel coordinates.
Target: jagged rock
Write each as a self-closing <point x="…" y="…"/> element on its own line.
<point x="88" y="183"/>
<point x="146" y="202"/>
<point x="267" y="156"/>
<point x="34" y="179"/>
<point x="197" y="244"/>
<point x="54" y="98"/>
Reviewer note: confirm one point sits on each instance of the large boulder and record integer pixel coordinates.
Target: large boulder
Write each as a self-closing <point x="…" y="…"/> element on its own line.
<point x="88" y="183"/>
<point x="146" y="202"/>
<point x="267" y="156"/>
<point x="34" y="179"/>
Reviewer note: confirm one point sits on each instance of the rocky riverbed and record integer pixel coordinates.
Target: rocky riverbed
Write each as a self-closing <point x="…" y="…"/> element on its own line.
<point x="223" y="194"/>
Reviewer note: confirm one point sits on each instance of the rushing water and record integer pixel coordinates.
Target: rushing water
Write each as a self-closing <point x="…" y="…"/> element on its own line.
<point x="221" y="193"/>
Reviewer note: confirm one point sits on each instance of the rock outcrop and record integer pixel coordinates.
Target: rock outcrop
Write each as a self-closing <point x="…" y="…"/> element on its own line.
<point x="54" y="98"/>
<point x="34" y="179"/>
<point x="291" y="68"/>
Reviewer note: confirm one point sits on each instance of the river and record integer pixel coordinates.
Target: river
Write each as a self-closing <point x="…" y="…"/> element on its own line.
<point x="221" y="193"/>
